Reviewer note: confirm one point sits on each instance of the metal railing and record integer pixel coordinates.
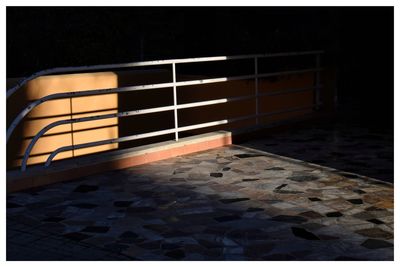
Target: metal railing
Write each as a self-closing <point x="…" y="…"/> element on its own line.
<point x="175" y="107"/>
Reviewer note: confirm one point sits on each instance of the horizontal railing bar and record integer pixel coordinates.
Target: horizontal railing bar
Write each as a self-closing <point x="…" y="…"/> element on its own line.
<point x="288" y="91"/>
<point x="242" y="77"/>
<point x="68" y="114"/>
<point x="264" y="75"/>
<point x="215" y="101"/>
<point x="150" y="63"/>
<point x="35" y="103"/>
<point x="286" y="110"/>
<point x="162" y="132"/>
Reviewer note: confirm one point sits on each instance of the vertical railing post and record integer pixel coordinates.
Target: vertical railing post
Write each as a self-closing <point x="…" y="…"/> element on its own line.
<point x="175" y="101"/>
<point x="317" y="81"/>
<point x="256" y="85"/>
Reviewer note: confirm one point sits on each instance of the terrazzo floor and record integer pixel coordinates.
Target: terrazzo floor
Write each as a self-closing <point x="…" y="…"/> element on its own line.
<point x="231" y="203"/>
<point x="352" y="146"/>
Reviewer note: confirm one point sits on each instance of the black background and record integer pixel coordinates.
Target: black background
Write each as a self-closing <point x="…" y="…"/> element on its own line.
<point x="358" y="41"/>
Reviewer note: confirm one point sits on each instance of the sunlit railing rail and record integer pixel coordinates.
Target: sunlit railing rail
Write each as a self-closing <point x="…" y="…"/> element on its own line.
<point x="175" y="107"/>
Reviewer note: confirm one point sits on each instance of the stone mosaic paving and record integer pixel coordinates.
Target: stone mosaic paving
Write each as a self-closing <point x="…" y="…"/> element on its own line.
<point x="231" y="203"/>
<point x="350" y="146"/>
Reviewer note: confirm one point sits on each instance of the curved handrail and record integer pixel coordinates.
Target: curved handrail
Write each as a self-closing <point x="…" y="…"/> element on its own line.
<point x="14" y="89"/>
<point x="35" y="103"/>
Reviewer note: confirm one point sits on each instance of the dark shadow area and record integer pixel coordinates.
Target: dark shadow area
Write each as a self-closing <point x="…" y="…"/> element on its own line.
<point x="346" y="142"/>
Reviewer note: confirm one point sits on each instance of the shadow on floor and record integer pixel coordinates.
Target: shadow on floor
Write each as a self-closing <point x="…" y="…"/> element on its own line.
<point x="348" y="143"/>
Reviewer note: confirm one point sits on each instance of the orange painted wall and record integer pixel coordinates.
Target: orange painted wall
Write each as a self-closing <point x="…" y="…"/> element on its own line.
<point x="60" y="109"/>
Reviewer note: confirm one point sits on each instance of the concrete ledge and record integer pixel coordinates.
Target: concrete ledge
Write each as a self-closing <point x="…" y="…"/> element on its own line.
<point x="36" y="176"/>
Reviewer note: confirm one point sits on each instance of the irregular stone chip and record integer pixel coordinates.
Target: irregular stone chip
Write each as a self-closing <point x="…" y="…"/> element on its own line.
<point x="355" y="201"/>
<point x="303" y="233"/>
<point x="181" y="170"/>
<point x="141" y="209"/>
<point x="254" y="209"/>
<point x="281" y="186"/>
<point x="216" y="174"/>
<point x="375" y="221"/>
<point x="287" y="191"/>
<point x="375" y="233"/>
<point x="376" y="243"/>
<point x="243" y="156"/>
<point x="373" y="208"/>
<point x="334" y="214"/>
<point x="364" y="215"/>
<point x="359" y="191"/>
<point x="233" y="200"/>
